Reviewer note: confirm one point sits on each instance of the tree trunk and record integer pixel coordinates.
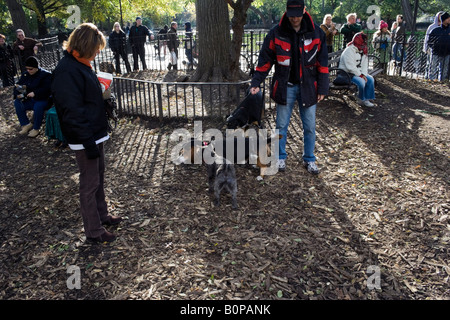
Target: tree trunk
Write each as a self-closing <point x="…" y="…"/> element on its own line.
<point x="213" y="32"/>
<point x="18" y="16"/>
<point x="238" y="22"/>
<point x="41" y="19"/>
<point x="408" y="16"/>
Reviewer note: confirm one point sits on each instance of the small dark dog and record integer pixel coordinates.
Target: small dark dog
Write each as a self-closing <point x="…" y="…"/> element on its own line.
<point x="249" y="111"/>
<point x="222" y="175"/>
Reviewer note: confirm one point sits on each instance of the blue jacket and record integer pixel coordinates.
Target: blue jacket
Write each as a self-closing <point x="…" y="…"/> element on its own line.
<point x="439" y="41"/>
<point x="39" y="83"/>
<point x="312" y="64"/>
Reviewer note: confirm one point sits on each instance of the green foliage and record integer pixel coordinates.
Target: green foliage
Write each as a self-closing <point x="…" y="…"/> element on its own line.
<point x="340" y="8"/>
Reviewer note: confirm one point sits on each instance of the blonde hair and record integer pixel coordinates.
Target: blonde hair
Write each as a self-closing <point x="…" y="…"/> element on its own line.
<point x="86" y="39"/>
<point x="351" y="15"/>
<point x="326" y="17"/>
<point x="116" y="24"/>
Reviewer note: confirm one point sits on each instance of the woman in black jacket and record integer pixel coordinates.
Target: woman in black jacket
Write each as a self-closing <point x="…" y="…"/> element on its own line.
<point x="79" y="103"/>
<point x="118" y="44"/>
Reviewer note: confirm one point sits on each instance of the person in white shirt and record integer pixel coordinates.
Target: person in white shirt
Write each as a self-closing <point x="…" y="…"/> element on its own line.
<point x="355" y="61"/>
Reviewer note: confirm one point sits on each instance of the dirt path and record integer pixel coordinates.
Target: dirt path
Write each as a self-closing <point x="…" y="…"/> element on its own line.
<point x="381" y="204"/>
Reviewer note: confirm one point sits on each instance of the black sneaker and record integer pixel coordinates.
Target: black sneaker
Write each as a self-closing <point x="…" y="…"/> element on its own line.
<point x="311" y="167"/>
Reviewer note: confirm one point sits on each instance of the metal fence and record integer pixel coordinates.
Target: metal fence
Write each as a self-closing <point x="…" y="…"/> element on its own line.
<point x="164" y="100"/>
<point x="412" y="61"/>
<point x="193" y="100"/>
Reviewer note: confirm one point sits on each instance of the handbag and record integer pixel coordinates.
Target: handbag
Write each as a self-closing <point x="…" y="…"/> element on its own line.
<point x="342" y="78"/>
<point x="173" y="58"/>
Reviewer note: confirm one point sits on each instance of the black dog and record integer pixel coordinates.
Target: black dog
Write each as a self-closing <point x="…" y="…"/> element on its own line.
<point x="222" y="175"/>
<point x="249" y="111"/>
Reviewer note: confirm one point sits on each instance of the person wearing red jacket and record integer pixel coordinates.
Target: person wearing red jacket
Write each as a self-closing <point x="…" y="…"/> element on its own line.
<point x="297" y="47"/>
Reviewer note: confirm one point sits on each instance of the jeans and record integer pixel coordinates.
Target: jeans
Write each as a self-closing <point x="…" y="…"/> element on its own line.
<point x="443" y="67"/>
<point x="397" y="49"/>
<point x="38" y="106"/>
<point x="366" y="90"/>
<point x="432" y="70"/>
<point x="308" y="118"/>
<point x="189" y="57"/>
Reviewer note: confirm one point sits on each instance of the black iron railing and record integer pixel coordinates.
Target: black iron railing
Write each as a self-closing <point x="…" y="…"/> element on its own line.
<point x="163" y="100"/>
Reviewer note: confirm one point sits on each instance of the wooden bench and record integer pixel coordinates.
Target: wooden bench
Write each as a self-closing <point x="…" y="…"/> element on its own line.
<point x="348" y="90"/>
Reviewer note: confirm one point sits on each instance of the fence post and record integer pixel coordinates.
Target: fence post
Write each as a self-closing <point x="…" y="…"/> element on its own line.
<point x="251" y="50"/>
<point x="118" y="91"/>
<point x="160" y="107"/>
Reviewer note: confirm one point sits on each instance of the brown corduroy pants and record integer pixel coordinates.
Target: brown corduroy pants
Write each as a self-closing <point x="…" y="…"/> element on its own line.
<point x="93" y="205"/>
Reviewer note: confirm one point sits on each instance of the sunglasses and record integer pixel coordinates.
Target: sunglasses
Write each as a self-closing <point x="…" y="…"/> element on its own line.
<point x="29" y="69"/>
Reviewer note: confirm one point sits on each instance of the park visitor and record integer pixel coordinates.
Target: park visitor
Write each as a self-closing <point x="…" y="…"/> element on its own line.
<point x="188" y="45"/>
<point x="355" y="61"/>
<point x="137" y="38"/>
<point x="118" y="43"/>
<point x="7" y="68"/>
<point x="25" y="47"/>
<point x="32" y="92"/>
<point x="398" y="37"/>
<point x="301" y="74"/>
<point x="381" y="41"/>
<point x="350" y="28"/>
<point x="330" y="31"/>
<point x="432" y="67"/>
<point x="80" y="107"/>
<point x="440" y="45"/>
<point x="173" y="43"/>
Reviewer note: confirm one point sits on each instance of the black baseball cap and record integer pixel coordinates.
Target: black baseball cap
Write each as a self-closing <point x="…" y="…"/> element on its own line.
<point x="294" y="8"/>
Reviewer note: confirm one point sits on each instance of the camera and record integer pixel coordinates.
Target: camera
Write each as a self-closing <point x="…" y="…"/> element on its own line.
<point x="22" y="92"/>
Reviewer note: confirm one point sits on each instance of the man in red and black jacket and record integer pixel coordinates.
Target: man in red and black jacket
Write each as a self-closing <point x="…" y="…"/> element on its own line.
<point x="297" y="47"/>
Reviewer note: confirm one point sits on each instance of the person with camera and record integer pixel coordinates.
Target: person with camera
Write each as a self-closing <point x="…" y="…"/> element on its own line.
<point x="380" y="42"/>
<point x="349" y="29"/>
<point x="32" y="92"/>
<point x="330" y="31"/>
<point x="78" y="98"/>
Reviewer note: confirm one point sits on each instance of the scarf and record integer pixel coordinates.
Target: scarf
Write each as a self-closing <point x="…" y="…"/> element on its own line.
<point x="76" y="55"/>
<point x="360" y="42"/>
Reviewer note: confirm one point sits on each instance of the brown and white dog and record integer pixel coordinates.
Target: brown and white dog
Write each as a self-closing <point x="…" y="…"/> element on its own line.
<point x="256" y="150"/>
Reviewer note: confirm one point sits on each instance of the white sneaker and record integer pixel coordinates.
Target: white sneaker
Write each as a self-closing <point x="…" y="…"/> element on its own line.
<point x="311" y="167"/>
<point x="367" y="103"/>
<point x="281" y="164"/>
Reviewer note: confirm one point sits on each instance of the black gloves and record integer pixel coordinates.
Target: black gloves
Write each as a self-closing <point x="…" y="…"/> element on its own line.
<point x="91" y="149"/>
